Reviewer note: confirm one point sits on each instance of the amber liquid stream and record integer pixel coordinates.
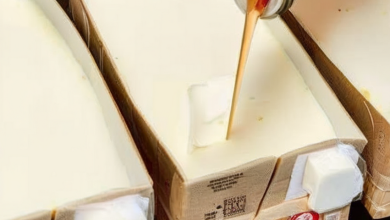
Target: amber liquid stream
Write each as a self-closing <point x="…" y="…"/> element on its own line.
<point x="254" y="10"/>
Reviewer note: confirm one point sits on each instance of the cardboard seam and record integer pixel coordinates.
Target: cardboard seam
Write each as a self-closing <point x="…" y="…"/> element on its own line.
<point x="117" y="76"/>
<point x="73" y="9"/>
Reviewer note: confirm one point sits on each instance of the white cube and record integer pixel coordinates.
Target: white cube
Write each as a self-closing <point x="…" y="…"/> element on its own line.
<point x="330" y="178"/>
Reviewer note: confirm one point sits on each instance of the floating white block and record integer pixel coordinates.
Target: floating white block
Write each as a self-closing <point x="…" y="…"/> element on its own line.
<point x="209" y="109"/>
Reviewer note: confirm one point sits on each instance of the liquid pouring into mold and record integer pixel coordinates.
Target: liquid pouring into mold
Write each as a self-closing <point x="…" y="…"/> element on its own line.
<point x="255" y="9"/>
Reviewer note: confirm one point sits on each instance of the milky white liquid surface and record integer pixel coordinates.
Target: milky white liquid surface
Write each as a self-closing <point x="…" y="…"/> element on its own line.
<point x="161" y="48"/>
<point x="54" y="144"/>
<point x="355" y="36"/>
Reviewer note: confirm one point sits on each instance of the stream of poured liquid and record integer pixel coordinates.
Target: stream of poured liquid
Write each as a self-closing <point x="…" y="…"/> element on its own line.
<point x="254" y="10"/>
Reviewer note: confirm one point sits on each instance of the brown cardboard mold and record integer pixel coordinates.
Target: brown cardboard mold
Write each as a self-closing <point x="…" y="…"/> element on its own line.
<point x="134" y="171"/>
<point x="183" y="195"/>
<point x="339" y="214"/>
<point x="270" y="209"/>
<point x="346" y="74"/>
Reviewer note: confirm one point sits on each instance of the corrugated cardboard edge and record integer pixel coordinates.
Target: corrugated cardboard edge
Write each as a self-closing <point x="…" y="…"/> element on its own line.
<point x="171" y="188"/>
<point x="284" y="209"/>
<point x="376" y="201"/>
<point x="375" y="211"/>
<point x="160" y="212"/>
<point x="64" y="4"/>
<point x="177" y="198"/>
<point x="370" y="121"/>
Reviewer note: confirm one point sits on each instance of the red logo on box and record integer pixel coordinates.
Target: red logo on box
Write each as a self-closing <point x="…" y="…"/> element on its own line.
<point x="306" y="216"/>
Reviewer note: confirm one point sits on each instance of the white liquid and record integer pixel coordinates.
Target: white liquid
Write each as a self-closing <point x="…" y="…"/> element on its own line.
<point x="163" y="47"/>
<point x="355" y="36"/>
<point x="54" y="144"/>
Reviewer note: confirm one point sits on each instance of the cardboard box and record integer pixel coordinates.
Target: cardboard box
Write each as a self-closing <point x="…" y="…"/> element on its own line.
<point x="273" y="204"/>
<point x="340" y="214"/>
<point x="199" y="198"/>
<point x="139" y="181"/>
<point x="343" y="45"/>
<point x="286" y="209"/>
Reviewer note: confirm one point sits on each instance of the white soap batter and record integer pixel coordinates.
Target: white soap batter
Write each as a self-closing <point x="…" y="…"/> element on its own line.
<point x="54" y="144"/>
<point x="163" y="47"/>
<point x="355" y="36"/>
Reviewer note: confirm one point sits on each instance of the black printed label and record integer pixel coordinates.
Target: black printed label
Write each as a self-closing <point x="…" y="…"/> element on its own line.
<point x="210" y="216"/>
<point x="234" y="206"/>
<point x="224" y="183"/>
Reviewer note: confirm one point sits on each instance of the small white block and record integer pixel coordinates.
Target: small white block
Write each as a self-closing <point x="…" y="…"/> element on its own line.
<point x="330" y="179"/>
<point x="210" y="108"/>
